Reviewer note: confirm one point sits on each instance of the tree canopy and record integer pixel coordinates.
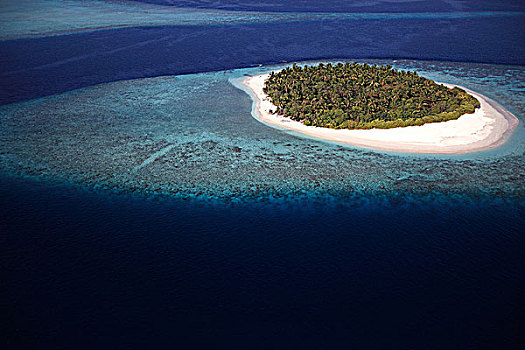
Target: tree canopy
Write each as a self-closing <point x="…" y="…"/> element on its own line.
<point x="362" y="96"/>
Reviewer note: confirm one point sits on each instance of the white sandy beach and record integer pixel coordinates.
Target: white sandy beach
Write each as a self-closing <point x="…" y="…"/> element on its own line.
<point x="488" y="127"/>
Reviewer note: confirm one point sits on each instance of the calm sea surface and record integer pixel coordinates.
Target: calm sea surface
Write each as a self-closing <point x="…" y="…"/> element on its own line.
<point x="141" y="205"/>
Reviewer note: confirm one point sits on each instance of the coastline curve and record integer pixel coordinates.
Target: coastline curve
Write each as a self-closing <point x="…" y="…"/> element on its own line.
<point x="489" y="127"/>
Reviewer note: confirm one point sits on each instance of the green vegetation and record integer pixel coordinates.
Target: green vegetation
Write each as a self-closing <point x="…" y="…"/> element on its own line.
<point x="361" y="96"/>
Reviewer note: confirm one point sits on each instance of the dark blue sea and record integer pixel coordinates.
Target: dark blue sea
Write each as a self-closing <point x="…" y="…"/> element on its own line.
<point x="141" y="206"/>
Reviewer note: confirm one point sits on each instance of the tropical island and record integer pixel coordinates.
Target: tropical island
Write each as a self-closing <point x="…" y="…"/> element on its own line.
<point x="362" y="96"/>
<point x="378" y="107"/>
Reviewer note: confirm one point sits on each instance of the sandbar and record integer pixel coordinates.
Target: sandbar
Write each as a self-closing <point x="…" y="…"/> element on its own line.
<point x="488" y="127"/>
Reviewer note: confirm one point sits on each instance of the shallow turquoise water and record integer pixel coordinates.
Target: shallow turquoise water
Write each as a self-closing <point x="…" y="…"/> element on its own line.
<point x="39" y="18"/>
<point x="192" y="136"/>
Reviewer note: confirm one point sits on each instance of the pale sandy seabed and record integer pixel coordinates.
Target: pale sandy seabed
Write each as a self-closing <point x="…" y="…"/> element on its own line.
<point x="489" y="127"/>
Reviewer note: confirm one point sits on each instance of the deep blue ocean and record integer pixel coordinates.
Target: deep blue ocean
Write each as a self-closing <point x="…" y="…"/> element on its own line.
<point x="141" y="206"/>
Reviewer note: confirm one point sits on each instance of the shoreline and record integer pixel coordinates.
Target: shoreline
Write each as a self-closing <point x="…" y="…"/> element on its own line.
<point x="488" y="127"/>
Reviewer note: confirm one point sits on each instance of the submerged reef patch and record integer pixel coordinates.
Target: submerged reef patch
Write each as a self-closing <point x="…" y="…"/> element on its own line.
<point x="193" y="137"/>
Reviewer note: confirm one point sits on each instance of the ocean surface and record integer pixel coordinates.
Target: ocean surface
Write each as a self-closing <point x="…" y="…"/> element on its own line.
<point x="400" y="6"/>
<point x="142" y="206"/>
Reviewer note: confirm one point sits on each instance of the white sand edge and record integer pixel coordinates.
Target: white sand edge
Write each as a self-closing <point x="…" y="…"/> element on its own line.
<point x="488" y="127"/>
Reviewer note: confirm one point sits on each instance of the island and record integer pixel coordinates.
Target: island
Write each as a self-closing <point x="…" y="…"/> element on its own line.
<point x="378" y="107"/>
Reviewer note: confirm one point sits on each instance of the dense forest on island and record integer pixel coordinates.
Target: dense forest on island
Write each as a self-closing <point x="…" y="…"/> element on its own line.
<point x="362" y="96"/>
